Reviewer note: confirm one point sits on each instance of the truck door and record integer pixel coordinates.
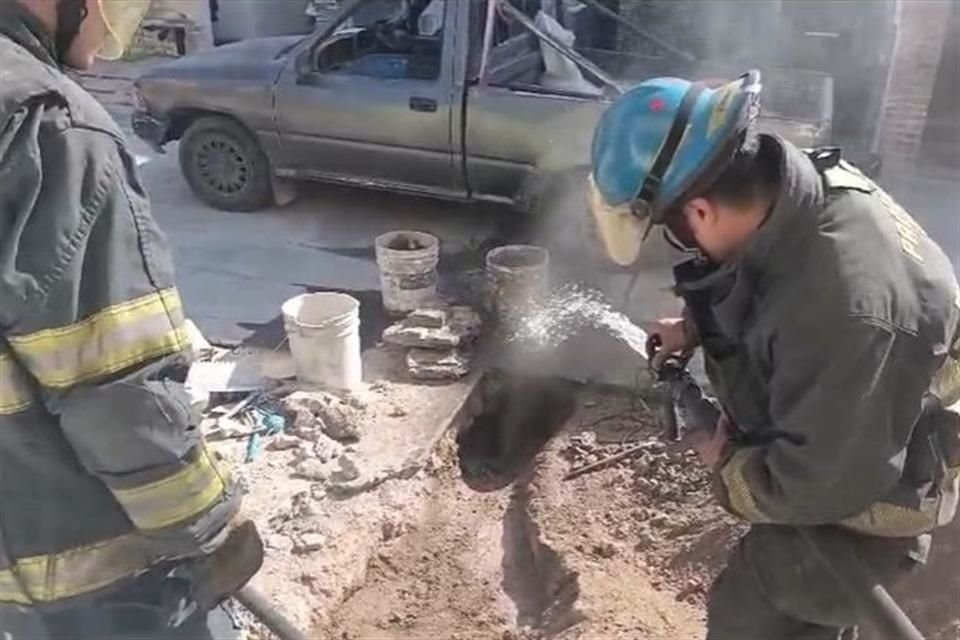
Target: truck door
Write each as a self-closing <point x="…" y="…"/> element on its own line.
<point x="375" y="100"/>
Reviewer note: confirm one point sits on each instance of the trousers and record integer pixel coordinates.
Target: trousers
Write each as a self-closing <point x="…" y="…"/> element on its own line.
<point x="775" y="587"/>
<point x="150" y="607"/>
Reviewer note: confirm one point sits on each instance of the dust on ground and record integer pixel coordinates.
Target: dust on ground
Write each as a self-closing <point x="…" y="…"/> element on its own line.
<point x="623" y="552"/>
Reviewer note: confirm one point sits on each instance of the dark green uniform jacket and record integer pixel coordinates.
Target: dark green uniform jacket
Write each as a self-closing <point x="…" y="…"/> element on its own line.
<point x="822" y="341"/>
<point x="103" y="472"/>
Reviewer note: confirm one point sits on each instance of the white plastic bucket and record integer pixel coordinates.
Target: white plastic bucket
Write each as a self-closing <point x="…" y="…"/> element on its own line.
<point x="408" y="270"/>
<point x="324" y="334"/>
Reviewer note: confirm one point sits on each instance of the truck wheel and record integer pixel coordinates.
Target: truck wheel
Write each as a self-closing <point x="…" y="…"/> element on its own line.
<point x="225" y="166"/>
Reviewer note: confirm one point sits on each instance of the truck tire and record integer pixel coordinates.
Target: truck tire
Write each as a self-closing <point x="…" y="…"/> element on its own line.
<point x="225" y="166"/>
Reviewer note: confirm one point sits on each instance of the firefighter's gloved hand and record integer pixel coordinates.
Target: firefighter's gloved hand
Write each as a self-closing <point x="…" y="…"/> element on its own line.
<point x="224" y="571"/>
<point x="675" y="337"/>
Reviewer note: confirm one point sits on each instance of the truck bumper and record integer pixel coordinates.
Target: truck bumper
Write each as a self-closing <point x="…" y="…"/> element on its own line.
<point x="150" y="129"/>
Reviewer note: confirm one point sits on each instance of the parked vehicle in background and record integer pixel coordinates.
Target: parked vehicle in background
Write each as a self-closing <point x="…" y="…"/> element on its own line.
<point x="488" y="100"/>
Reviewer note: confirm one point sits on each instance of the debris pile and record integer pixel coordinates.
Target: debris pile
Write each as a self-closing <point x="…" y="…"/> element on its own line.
<point x="660" y="471"/>
<point x="438" y="340"/>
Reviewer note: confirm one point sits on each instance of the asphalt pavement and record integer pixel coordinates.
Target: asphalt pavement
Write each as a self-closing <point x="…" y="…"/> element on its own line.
<point x="236" y="269"/>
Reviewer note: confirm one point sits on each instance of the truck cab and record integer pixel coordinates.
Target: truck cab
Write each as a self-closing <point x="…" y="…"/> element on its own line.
<point x="487" y="99"/>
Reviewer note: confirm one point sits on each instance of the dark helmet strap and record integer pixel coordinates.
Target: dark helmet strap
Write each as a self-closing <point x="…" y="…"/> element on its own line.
<point x="651" y="185"/>
<point x="70" y="15"/>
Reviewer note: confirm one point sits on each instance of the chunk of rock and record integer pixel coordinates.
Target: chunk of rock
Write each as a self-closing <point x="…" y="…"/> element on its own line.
<point x="309" y="542"/>
<point x="425" y="364"/>
<point x="347" y="471"/>
<point x="283" y="442"/>
<point x="312" y="410"/>
<point x="326" y="449"/>
<point x="312" y="469"/>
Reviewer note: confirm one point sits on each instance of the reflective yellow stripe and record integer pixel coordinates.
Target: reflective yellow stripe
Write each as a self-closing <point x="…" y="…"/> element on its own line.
<point x="892" y="520"/>
<point x="946" y="381"/>
<point x="177" y="498"/>
<point x="112" y="340"/>
<point x="738" y="493"/>
<point x="77" y="571"/>
<point x="15" y="392"/>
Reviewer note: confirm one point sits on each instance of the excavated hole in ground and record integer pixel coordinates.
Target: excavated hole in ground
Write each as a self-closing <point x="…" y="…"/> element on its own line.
<point x="520" y="414"/>
<point x="505" y="548"/>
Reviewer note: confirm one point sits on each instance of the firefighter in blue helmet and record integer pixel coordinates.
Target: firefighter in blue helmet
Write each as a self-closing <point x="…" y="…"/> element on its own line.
<point x="828" y="322"/>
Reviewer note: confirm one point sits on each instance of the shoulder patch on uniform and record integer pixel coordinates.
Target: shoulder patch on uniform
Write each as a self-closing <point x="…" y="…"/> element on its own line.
<point x="846" y="176"/>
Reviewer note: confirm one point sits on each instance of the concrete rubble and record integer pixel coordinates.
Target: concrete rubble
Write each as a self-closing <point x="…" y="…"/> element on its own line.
<point x="426" y="364"/>
<point x="458" y="326"/>
<point x="439" y="341"/>
<point x="318" y="413"/>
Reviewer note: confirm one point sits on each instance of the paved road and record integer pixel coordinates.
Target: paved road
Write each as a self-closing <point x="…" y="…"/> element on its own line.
<point x="235" y="269"/>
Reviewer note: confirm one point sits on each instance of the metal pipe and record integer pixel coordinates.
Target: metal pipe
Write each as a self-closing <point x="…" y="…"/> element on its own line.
<point x="872" y="600"/>
<point x="490" y="20"/>
<point x="595" y="72"/>
<point x="258" y="604"/>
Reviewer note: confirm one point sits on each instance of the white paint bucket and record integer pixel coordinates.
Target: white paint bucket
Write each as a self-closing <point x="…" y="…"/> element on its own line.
<point x="408" y="270"/>
<point x="324" y="334"/>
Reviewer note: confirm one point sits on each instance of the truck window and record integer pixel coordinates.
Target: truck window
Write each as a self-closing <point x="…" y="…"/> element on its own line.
<point x="517" y="59"/>
<point x="391" y="39"/>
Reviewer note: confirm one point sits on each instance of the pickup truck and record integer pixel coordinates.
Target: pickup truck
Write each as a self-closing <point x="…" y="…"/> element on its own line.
<point x="466" y="100"/>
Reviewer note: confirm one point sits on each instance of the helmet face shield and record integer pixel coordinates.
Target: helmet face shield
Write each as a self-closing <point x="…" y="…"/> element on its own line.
<point x="122" y="18"/>
<point x="622" y="228"/>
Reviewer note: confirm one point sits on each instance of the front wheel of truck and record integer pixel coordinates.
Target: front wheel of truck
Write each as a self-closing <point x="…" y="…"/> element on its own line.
<point x="225" y="166"/>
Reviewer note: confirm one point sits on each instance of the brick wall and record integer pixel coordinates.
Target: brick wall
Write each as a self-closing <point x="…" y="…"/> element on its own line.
<point x="917" y="54"/>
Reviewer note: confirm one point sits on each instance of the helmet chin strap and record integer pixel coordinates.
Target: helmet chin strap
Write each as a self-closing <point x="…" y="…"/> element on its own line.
<point x="70" y="15"/>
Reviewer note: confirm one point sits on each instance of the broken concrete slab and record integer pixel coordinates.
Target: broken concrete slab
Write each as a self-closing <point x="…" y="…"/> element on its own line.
<point x="403" y="334"/>
<point x="460" y="326"/>
<point x="432" y="318"/>
<point x="427" y="364"/>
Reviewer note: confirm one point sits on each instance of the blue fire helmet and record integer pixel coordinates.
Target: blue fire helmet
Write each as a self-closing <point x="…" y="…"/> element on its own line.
<point x="656" y="143"/>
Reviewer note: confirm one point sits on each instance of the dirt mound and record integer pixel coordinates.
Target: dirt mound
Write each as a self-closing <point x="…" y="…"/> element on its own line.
<point x="626" y="551"/>
<point x="547" y="558"/>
